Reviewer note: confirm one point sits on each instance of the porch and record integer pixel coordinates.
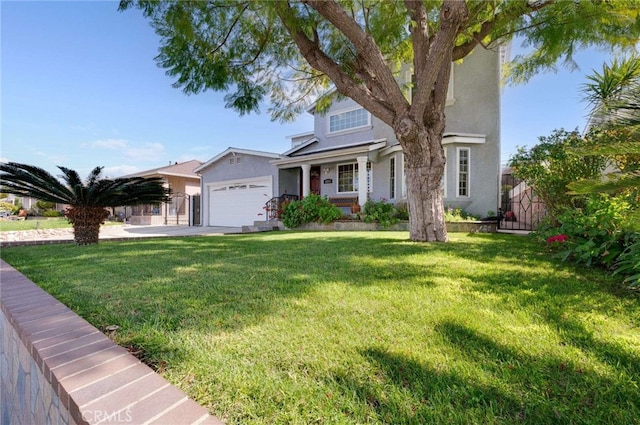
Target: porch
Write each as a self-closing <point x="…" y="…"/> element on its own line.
<point x="179" y="211"/>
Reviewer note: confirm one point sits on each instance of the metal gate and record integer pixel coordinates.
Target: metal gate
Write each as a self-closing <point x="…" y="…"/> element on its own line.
<point x="195" y="210"/>
<point x="520" y="208"/>
<point x="176" y="211"/>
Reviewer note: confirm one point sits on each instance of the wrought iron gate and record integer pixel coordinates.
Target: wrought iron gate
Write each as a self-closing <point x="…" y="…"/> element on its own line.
<point x="520" y="208"/>
<point x="195" y="210"/>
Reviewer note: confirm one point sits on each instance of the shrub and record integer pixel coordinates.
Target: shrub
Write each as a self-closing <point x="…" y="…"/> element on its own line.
<point x="402" y="210"/>
<point x="381" y="212"/>
<point x="6" y="206"/>
<point x="309" y="209"/>
<point x="17" y="207"/>
<point x="51" y="213"/>
<point x="457" y="214"/>
<point x="596" y="234"/>
<point x="628" y="263"/>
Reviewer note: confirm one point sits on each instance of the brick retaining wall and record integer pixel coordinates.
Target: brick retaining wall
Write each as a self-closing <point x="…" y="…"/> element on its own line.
<point x="56" y="368"/>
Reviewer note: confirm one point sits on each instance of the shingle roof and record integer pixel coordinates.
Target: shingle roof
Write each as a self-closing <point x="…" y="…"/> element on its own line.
<point x="184" y="169"/>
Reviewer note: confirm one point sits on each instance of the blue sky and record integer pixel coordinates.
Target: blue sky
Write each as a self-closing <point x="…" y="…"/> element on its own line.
<point x="80" y="88"/>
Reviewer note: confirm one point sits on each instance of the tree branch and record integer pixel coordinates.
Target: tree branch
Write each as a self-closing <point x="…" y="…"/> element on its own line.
<point x="419" y="32"/>
<point x="368" y="52"/>
<point x="463" y="50"/>
<point x="322" y="62"/>
<point x="453" y="15"/>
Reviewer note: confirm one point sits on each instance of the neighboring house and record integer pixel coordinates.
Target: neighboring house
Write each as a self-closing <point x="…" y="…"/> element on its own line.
<point x="184" y="206"/>
<point x="351" y="156"/>
<point x="27" y="202"/>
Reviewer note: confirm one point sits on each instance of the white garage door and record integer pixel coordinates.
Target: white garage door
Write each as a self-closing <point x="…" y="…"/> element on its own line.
<point x="239" y="204"/>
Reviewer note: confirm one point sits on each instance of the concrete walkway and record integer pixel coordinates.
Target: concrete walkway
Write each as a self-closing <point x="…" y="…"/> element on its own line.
<point x="28" y="237"/>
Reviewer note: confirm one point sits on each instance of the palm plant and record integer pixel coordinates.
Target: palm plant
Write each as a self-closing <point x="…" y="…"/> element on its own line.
<point x="87" y="199"/>
<point x="615" y="123"/>
<point x="615" y="98"/>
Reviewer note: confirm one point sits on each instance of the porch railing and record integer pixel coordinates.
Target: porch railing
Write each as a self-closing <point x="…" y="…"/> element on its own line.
<point x="273" y="207"/>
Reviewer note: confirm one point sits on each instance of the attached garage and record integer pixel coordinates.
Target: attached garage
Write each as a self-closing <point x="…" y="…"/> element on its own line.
<point x="238" y="203"/>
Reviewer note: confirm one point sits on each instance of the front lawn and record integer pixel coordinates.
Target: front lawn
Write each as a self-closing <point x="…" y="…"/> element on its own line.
<point x="33" y="223"/>
<point x="41" y="223"/>
<point x="300" y="328"/>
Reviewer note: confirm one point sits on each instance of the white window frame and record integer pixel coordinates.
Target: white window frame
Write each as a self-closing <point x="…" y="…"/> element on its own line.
<point x="444" y="175"/>
<point x="404" y="175"/>
<point x="468" y="172"/>
<point x="355" y="177"/>
<point x="350" y="129"/>
<point x="392" y="177"/>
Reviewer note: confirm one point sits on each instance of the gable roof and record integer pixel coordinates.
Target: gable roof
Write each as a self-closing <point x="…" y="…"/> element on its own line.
<point x="333" y="152"/>
<point x="301" y="146"/>
<point x="182" y="169"/>
<point x="236" y="151"/>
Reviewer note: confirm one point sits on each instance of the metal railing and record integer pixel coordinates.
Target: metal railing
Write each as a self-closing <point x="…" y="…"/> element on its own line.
<point x="273" y="207"/>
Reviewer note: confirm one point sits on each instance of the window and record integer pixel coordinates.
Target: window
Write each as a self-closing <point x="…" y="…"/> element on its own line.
<point x="404" y="176"/>
<point x="463" y="172"/>
<point x="392" y="178"/>
<point x="348" y="178"/>
<point x="347" y="120"/>
<point x="443" y="184"/>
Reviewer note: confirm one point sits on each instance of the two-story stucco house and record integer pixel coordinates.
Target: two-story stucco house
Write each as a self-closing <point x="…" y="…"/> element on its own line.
<point x="352" y="154"/>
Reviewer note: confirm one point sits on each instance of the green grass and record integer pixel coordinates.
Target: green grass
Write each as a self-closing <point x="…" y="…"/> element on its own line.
<point x="34" y="223"/>
<point x="300" y="328"/>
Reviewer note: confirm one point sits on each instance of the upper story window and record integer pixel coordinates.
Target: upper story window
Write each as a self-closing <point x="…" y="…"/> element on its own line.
<point x="347" y="120"/>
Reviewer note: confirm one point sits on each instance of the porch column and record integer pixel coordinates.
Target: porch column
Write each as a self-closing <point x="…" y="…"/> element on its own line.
<point x="306" y="180"/>
<point x="362" y="180"/>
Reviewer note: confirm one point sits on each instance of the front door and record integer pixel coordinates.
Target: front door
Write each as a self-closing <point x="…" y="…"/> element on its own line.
<point x="315" y="180"/>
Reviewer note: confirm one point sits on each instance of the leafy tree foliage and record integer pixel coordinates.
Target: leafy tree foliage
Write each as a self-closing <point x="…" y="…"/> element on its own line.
<point x="298" y="52"/>
<point x="550" y="166"/>
<point x="614" y="95"/>
<point x="87" y="199"/>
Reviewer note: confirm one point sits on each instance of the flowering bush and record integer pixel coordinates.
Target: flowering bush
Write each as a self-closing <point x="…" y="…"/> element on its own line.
<point x="594" y="235"/>
<point x="557" y="238"/>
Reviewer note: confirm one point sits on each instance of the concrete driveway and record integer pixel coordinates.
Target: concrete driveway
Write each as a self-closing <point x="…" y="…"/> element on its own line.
<point x="142" y="231"/>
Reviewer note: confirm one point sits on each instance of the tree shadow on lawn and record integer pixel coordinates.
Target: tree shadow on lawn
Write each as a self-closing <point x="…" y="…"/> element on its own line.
<point x="224" y="284"/>
<point x="487" y="382"/>
<point x="560" y="303"/>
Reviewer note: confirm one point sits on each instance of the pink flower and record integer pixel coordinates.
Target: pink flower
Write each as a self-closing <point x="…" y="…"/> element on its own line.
<point x="558" y="238"/>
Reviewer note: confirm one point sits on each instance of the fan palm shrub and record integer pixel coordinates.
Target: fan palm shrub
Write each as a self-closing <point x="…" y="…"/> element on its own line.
<point x="87" y="199"/>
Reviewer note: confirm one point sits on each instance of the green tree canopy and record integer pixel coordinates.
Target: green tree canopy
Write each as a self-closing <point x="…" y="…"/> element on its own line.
<point x="294" y="53"/>
<point x="550" y="166"/>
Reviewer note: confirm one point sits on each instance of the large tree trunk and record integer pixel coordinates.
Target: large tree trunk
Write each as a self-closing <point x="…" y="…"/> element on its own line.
<point x="425" y="163"/>
<point x="86" y="223"/>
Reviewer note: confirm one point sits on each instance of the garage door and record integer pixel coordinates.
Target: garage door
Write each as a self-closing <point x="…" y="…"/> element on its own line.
<point x="239" y="204"/>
